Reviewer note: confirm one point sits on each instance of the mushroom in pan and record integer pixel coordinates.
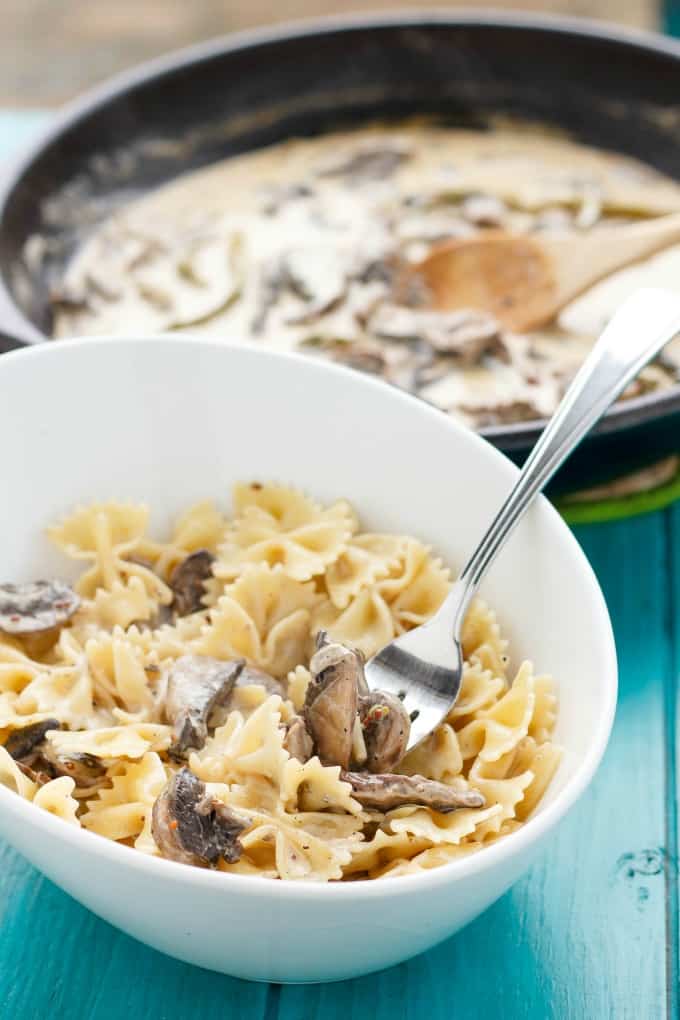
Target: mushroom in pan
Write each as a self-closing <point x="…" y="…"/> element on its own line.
<point x="197" y="684"/>
<point x="188" y="582"/>
<point x="386" y="727"/>
<point x="372" y="161"/>
<point x="388" y="791"/>
<point x="331" y="701"/>
<point x="192" y="827"/>
<point x="464" y="334"/>
<point x="36" y="608"/>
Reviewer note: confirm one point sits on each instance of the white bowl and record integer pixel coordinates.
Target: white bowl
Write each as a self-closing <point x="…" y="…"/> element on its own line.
<point x="169" y="421"/>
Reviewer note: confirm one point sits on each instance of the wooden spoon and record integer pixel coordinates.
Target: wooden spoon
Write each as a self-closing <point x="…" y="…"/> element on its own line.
<point x="524" y="281"/>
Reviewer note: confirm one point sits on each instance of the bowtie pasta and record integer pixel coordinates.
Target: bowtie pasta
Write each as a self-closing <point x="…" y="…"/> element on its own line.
<point x="202" y="697"/>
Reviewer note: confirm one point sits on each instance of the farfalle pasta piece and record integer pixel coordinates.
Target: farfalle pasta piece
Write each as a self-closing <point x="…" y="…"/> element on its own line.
<point x="545" y="709"/>
<point x="437" y="828"/>
<point x="366" y="559"/>
<point x="200" y="527"/>
<point x="497" y="730"/>
<point x="13" y="778"/>
<point x="382" y="849"/>
<point x="433" y="857"/>
<point x="479" y="690"/>
<point x="57" y="798"/>
<point x="112" y="741"/>
<point x="124" y="603"/>
<point x="366" y="624"/>
<point x="253" y="746"/>
<point x="122" y="811"/>
<point x="279" y="526"/>
<point x="296" y="854"/>
<point x="103" y="534"/>
<point x="118" y="668"/>
<point x="61" y="692"/>
<point x="263" y="617"/>
<point x="482" y="640"/>
<point x="16" y="668"/>
<point x="503" y="784"/>
<point x="437" y="757"/>
<point x="315" y="787"/>
<point x="542" y="760"/>
<point x="416" y="591"/>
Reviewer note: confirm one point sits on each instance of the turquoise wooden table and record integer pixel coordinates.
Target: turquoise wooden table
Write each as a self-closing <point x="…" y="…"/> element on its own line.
<point x="590" y="933"/>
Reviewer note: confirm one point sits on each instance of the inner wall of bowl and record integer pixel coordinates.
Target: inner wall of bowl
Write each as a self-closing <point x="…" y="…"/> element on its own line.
<point x="171" y="422"/>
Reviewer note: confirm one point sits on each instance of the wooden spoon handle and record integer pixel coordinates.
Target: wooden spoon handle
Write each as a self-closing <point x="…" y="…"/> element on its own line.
<point x="580" y="262"/>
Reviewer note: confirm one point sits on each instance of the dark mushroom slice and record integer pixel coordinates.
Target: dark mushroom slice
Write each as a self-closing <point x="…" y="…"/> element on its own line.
<point x="36" y="607"/>
<point x="373" y="161"/>
<point x="192" y="827"/>
<point x="38" y="758"/>
<point x="188" y="582"/>
<point x="197" y="684"/>
<point x="317" y="276"/>
<point x="388" y="791"/>
<point x="297" y="740"/>
<point x="85" y="769"/>
<point x="21" y="743"/>
<point x="464" y="333"/>
<point x="386" y="727"/>
<point x="332" y="699"/>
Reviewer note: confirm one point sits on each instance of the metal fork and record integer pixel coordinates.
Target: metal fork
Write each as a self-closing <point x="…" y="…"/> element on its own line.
<point x="424" y="666"/>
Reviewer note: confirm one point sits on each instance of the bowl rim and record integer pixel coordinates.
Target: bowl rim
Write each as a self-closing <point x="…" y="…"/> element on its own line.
<point x="513" y="436"/>
<point x="487" y="858"/>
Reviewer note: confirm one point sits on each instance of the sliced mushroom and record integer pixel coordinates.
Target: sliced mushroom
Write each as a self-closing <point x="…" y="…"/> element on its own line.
<point x="317" y="276"/>
<point x="36" y="607"/>
<point x="332" y="699"/>
<point x="67" y="299"/>
<point x="196" y="685"/>
<point x="192" y="827"/>
<point x="38" y="758"/>
<point x="386" y="727"/>
<point x="21" y="743"/>
<point x="388" y="791"/>
<point x="85" y="769"/>
<point x="188" y="582"/>
<point x="297" y="740"/>
<point x="250" y="676"/>
<point x="505" y="412"/>
<point x="372" y="161"/>
<point x="463" y="333"/>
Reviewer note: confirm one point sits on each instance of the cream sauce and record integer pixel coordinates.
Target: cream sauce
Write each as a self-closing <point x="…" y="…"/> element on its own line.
<point x="294" y="247"/>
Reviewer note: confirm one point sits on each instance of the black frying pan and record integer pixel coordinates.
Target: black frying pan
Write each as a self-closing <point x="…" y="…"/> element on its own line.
<point x="608" y="88"/>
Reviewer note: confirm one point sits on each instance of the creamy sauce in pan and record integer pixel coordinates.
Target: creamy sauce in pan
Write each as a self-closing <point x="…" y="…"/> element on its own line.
<point x="297" y="247"/>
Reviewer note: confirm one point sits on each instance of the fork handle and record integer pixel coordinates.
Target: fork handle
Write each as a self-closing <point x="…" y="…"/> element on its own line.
<point x="641" y="327"/>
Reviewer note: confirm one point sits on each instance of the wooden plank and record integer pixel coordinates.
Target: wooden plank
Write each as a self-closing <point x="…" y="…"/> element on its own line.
<point x="59" y="960"/>
<point x="672" y="770"/>
<point x="583" y="934"/>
